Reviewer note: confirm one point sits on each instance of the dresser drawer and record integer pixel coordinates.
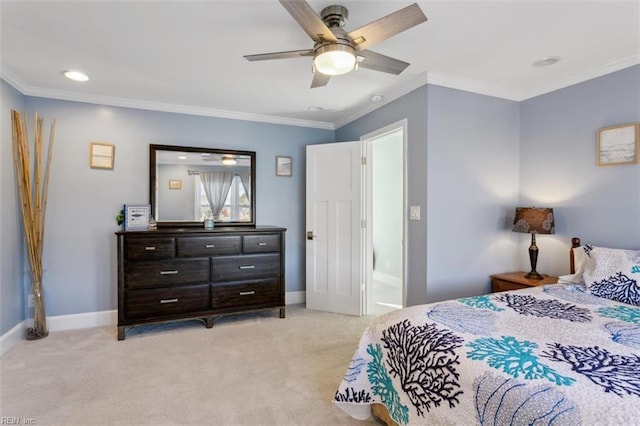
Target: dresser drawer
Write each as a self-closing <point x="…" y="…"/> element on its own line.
<point x="149" y="248"/>
<point x="260" y="243"/>
<point x="166" y="272"/>
<point x="209" y="246"/>
<point x="236" y="268"/>
<point x="154" y="303"/>
<point x="265" y="292"/>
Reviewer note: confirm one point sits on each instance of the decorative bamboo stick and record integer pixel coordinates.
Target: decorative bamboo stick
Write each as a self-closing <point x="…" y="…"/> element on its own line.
<point x="33" y="203"/>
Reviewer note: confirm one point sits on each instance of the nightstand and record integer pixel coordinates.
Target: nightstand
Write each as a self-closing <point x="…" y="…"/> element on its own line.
<point x="517" y="281"/>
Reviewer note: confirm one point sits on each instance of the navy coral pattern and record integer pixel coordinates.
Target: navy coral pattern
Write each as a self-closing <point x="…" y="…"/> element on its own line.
<point x="537" y="356"/>
<point x="618" y="287"/>
<point x="425" y="361"/>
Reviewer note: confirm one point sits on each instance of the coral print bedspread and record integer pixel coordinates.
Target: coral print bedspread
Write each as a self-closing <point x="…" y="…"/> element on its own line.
<point x="545" y="355"/>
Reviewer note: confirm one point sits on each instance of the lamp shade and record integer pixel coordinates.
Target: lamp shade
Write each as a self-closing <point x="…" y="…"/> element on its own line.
<point x="534" y="220"/>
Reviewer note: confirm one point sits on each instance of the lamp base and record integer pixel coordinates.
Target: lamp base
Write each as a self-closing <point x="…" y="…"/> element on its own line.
<point x="533" y="275"/>
<point x="533" y="257"/>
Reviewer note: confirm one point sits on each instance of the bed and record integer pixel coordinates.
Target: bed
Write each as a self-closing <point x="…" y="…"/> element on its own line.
<point x="566" y="353"/>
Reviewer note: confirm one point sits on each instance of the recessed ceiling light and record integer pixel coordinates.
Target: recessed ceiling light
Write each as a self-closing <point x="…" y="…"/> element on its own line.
<point x="377" y="98"/>
<point x="76" y="75"/>
<point x="545" y="62"/>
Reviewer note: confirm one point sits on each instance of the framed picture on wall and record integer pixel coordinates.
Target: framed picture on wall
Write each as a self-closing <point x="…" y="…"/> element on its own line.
<point x="101" y="155"/>
<point x="284" y="165"/>
<point x="618" y="145"/>
<point x="175" y="184"/>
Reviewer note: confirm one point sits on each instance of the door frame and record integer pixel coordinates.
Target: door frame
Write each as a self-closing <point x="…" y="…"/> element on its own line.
<point x="367" y="213"/>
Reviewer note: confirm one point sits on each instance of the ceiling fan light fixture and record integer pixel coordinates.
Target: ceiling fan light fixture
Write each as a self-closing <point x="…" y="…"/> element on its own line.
<point x="228" y="160"/>
<point x="334" y="59"/>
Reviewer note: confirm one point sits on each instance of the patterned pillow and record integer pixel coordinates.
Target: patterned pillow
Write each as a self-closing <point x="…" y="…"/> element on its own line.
<point x="613" y="274"/>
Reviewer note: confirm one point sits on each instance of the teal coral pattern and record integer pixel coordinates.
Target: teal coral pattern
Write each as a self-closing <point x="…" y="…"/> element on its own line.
<point x="514" y="358"/>
<point x="623" y="313"/>
<point x="382" y="385"/>
<point x="482" y="302"/>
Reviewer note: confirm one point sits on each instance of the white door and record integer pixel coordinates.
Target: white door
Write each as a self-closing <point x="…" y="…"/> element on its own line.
<point x="334" y="278"/>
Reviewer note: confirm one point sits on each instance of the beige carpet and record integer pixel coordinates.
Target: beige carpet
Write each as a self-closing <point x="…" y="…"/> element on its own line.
<point x="254" y="369"/>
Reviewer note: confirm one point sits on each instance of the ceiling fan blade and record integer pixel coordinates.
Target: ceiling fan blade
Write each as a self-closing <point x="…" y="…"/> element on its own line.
<point x="309" y="20"/>
<point x="279" y="55"/>
<point x="388" y="26"/>
<point x="378" y="62"/>
<point x="319" y="80"/>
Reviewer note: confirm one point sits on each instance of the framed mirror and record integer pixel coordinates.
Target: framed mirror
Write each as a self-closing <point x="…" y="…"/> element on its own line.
<point x="188" y="185"/>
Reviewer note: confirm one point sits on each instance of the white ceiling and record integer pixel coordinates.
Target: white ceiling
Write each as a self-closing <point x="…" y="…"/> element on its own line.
<point x="186" y="56"/>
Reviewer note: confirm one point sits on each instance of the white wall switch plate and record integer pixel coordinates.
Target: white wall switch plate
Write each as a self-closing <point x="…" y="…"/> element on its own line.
<point x="414" y="212"/>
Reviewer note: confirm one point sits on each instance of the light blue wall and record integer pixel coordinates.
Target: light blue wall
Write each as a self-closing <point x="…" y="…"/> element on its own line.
<point x="177" y="204"/>
<point x="413" y="107"/>
<point x="80" y="247"/>
<point x="484" y="157"/>
<point x="11" y="242"/>
<point x="601" y="205"/>
<point x="472" y="186"/>
<point x="465" y="179"/>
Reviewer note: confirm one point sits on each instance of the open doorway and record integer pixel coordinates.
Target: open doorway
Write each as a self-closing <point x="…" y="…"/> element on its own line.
<point x="384" y="193"/>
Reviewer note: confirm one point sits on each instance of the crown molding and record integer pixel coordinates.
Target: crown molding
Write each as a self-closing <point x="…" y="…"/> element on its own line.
<point x="395" y="93"/>
<point x="472" y="86"/>
<point x="580" y="77"/>
<point x="26" y="90"/>
<point x="528" y="93"/>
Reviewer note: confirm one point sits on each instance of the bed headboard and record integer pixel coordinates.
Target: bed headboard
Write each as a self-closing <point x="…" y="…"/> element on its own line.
<point x="575" y="242"/>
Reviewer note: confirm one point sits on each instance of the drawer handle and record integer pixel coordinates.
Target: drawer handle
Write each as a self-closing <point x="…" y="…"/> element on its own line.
<point x="174" y="272"/>
<point x="262" y="244"/>
<point x="247" y="266"/>
<point x="150" y="248"/>
<point x="209" y="245"/>
<point x="247" y="293"/>
<point x="169" y="300"/>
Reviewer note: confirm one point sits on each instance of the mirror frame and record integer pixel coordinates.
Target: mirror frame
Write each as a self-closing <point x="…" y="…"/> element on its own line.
<point x="153" y="149"/>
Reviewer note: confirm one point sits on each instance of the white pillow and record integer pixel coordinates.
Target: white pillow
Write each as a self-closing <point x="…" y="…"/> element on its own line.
<point x="580" y="259"/>
<point x="613" y="274"/>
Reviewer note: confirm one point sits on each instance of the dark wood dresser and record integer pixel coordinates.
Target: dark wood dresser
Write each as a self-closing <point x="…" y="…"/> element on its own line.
<point x="184" y="273"/>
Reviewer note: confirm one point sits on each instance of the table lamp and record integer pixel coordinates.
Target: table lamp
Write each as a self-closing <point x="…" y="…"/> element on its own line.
<point x="534" y="220"/>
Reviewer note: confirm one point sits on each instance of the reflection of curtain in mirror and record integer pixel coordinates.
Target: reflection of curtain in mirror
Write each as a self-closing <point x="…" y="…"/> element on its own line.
<point x="216" y="187"/>
<point x="245" y="178"/>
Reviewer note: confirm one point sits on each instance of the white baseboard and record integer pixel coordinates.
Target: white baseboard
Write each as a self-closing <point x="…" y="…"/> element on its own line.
<point x="95" y="319"/>
<point x="387" y="279"/>
<point x="85" y="320"/>
<point x="295" y="297"/>
<point x="11" y="338"/>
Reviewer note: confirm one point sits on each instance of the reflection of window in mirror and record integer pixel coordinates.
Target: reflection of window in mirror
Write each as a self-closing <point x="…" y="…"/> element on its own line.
<point x="237" y="206"/>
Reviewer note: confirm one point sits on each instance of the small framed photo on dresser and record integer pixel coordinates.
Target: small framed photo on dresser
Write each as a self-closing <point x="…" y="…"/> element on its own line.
<point x="136" y="217"/>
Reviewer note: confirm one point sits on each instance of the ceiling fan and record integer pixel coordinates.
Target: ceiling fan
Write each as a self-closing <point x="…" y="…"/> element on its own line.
<point x="337" y="52"/>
